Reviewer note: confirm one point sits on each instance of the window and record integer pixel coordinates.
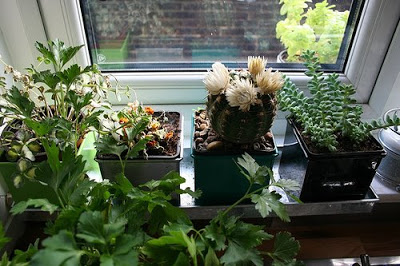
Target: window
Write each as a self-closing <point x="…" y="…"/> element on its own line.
<point x="178" y="35"/>
<point x="25" y="21"/>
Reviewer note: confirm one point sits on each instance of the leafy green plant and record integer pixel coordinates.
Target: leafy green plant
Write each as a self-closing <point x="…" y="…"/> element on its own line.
<point x="329" y="116"/>
<point x="114" y="223"/>
<point x="134" y="131"/>
<point x="3" y="238"/>
<point x="320" y="28"/>
<point x="67" y="97"/>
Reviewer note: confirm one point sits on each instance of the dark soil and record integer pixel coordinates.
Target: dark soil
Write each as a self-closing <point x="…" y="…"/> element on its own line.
<point x="345" y="144"/>
<point x="206" y="140"/>
<point x="170" y="147"/>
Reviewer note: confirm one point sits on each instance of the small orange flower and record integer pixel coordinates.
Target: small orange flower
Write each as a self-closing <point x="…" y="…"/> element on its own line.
<point x="154" y="125"/>
<point x="149" y="110"/>
<point x="123" y="120"/>
<point x="152" y="143"/>
<point x="169" y="135"/>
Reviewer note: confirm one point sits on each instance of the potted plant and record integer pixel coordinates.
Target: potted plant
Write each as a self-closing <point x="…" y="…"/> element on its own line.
<point x="240" y="111"/>
<point x="119" y="224"/>
<point x="320" y="28"/>
<point x="140" y="143"/>
<point x="57" y="105"/>
<point x="341" y="155"/>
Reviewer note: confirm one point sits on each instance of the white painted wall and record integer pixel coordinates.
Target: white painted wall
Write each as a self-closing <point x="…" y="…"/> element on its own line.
<point x="5" y="56"/>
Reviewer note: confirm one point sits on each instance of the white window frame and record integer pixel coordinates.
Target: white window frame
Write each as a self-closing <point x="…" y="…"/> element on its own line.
<point x="37" y="20"/>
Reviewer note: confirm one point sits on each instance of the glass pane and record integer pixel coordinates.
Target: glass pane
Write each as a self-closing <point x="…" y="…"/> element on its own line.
<point x="181" y="35"/>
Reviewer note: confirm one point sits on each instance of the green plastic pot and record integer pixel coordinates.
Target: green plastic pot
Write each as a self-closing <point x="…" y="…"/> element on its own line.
<point x="219" y="178"/>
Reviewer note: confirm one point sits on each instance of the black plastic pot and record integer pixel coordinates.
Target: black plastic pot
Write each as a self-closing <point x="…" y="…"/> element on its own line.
<point x="335" y="175"/>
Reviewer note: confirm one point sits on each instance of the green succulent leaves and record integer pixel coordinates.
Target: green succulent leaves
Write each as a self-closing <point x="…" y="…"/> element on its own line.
<point x="330" y="113"/>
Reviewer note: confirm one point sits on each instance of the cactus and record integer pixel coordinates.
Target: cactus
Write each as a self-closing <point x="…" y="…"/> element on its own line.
<point x="242" y="104"/>
<point x="238" y="126"/>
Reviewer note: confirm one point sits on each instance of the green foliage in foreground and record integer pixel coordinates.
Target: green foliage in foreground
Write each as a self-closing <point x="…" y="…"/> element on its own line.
<point x="115" y="223"/>
<point x="330" y="113"/>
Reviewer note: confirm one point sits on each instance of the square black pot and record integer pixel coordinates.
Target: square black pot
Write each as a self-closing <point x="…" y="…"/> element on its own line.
<point x="331" y="176"/>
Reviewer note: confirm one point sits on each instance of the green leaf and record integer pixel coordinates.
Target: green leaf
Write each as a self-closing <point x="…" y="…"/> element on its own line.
<point x="22" y="257"/>
<point x="76" y="193"/>
<point x="66" y="220"/>
<point x="3" y="238"/>
<point x="139" y="146"/>
<point x="261" y="175"/>
<point x="123" y="254"/>
<point x="181" y="260"/>
<point x="53" y="156"/>
<point x="269" y="201"/>
<point x="249" y="164"/>
<point x="215" y="233"/>
<point x="123" y="183"/>
<point x="171" y="249"/>
<point x="68" y="76"/>
<point x="168" y="184"/>
<point x="178" y="227"/>
<point x="43" y="127"/>
<point x="67" y="53"/>
<point x="46" y="77"/>
<point x="211" y="258"/>
<point x="108" y="145"/>
<point x="238" y="255"/>
<point x="43" y="204"/>
<point x="24" y="105"/>
<point x="162" y="215"/>
<point x="60" y="250"/>
<point x="93" y="229"/>
<point x="287" y="184"/>
<point x="194" y="194"/>
<point x="285" y="247"/>
<point x="79" y="101"/>
<point x="47" y="54"/>
<point x="248" y="235"/>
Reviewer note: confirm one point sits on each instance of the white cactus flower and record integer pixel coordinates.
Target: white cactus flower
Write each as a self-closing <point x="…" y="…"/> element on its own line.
<point x="217" y="80"/>
<point x="242" y="94"/>
<point x="134" y="105"/>
<point x="256" y="65"/>
<point x="8" y="69"/>
<point x="269" y="81"/>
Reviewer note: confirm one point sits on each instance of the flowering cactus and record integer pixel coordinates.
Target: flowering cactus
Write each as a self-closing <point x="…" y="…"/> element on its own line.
<point x="242" y="104"/>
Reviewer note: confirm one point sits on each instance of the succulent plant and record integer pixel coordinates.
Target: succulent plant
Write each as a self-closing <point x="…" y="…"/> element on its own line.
<point x="242" y="104"/>
<point x="329" y="116"/>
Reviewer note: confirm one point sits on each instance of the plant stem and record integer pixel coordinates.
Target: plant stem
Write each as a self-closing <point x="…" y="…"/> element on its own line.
<point x="59" y="199"/>
<point x="245" y="196"/>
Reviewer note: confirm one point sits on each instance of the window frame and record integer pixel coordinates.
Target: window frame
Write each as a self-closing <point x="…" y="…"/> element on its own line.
<point x="63" y="19"/>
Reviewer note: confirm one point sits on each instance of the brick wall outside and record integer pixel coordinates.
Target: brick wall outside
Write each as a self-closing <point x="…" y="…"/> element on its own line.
<point x="179" y="29"/>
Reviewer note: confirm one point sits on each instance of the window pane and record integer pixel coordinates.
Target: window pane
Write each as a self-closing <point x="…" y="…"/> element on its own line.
<point x="181" y="35"/>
